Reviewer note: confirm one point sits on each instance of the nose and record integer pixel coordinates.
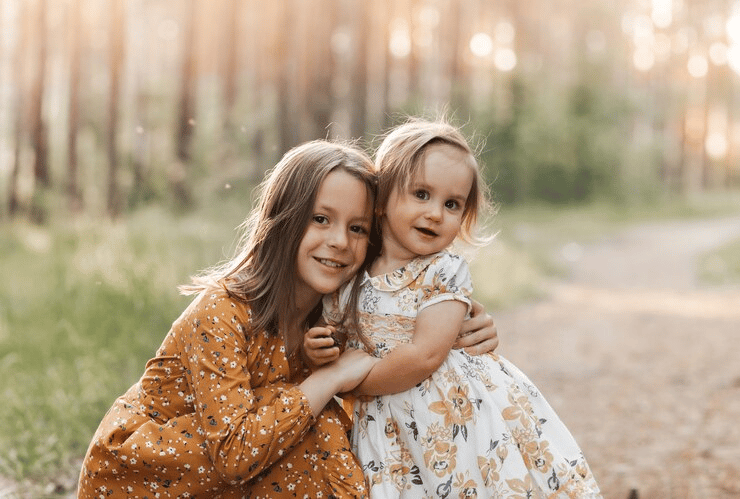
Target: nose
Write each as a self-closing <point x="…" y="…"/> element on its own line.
<point x="434" y="212"/>
<point x="338" y="238"/>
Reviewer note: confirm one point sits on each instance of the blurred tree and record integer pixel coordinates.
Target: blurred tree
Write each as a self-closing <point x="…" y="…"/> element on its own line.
<point x="39" y="138"/>
<point x="19" y="84"/>
<point x="231" y="45"/>
<point x="117" y="29"/>
<point x="287" y="126"/>
<point x="319" y="96"/>
<point x="358" y="79"/>
<point x="75" y="35"/>
<point x="178" y="174"/>
<point x="186" y="117"/>
<point x="455" y="69"/>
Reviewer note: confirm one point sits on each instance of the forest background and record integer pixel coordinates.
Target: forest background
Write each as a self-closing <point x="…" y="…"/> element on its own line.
<point x="132" y="133"/>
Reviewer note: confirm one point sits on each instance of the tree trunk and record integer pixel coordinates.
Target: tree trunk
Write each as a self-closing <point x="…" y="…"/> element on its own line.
<point x="42" y="179"/>
<point x="178" y="174"/>
<point x="387" y="66"/>
<point x="358" y="85"/>
<point x="321" y="101"/>
<point x="287" y="127"/>
<point x="231" y="45"/>
<point x="458" y="102"/>
<point x="19" y="81"/>
<point x="38" y="126"/>
<point x="116" y="61"/>
<point x="74" y="193"/>
<point x="186" y="119"/>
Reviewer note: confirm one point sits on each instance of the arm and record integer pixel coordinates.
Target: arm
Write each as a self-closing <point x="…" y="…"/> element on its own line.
<point x="408" y="364"/>
<point x="478" y="335"/>
<point x="249" y="423"/>
<point x="337" y="377"/>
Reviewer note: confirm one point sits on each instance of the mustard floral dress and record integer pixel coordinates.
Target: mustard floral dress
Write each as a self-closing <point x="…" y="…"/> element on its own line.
<point x="217" y="414"/>
<point x="477" y="427"/>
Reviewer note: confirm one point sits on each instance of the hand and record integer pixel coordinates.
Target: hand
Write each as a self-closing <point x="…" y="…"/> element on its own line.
<point x="478" y="333"/>
<point x="351" y="368"/>
<point x="321" y="346"/>
<point x="340" y="376"/>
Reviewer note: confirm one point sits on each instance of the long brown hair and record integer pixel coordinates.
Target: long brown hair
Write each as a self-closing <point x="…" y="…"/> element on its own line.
<point x="263" y="272"/>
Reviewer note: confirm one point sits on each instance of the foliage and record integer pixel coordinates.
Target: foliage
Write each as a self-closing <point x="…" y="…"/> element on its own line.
<point x="559" y="154"/>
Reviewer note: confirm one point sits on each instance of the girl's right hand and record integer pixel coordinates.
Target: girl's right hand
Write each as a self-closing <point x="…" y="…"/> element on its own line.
<point x="320" y="346"/>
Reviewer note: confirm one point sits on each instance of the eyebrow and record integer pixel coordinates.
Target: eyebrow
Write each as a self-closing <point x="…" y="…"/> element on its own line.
<point x="419" y="184"/>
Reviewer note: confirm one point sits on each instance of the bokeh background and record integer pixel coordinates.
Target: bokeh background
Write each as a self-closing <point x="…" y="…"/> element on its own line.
<point x="133" y="131"/>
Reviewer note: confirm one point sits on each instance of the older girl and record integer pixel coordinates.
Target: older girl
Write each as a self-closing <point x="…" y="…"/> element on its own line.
<point x="226" y="408"/>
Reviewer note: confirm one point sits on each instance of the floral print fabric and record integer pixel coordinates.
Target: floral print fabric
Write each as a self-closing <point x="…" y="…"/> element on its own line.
<point x="477" y="427"/>
<point x="217" y="414"/>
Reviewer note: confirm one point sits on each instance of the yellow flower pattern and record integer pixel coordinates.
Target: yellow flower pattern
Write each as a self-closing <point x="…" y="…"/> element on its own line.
<point x="476" y="428"/>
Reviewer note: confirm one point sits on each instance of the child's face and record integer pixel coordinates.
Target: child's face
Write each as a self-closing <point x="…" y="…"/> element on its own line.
<point x="427" y="217"/>
<point x="335" y="242"/>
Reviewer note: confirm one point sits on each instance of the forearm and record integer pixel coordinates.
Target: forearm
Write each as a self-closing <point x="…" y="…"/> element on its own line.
<point x="319" y="388"/>
<point x="402" y="369"/>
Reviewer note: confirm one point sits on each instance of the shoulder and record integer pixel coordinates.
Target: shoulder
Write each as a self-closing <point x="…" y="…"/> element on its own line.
<point x="214" y="305"/>
<point x="448" y="263"/>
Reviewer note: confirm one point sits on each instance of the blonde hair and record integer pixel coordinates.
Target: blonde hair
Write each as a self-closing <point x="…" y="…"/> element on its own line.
<point x="401" y="155"/>
<point x="263" y="271"/>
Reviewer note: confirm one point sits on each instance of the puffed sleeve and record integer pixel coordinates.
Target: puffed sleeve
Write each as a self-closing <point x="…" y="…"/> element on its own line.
<point x="249" y="414"/>
<point x="446" y="278"/>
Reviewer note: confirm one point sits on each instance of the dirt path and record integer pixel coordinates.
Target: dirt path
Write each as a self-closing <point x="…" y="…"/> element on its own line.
<point x="641" y="362"/>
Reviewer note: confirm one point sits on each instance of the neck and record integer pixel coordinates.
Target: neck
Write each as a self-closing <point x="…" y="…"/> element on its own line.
<point x="391" y="257"/>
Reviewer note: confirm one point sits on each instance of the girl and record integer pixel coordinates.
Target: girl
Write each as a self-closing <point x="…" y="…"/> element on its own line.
<point x="227" y="408"/>
<point x="441" y="423"/>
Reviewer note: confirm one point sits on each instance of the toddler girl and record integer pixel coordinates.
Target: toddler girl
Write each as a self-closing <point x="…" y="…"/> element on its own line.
<point x="431" y="421"/>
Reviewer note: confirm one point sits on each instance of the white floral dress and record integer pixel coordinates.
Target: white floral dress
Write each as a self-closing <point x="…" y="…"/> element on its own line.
<point x="477" y="427"/>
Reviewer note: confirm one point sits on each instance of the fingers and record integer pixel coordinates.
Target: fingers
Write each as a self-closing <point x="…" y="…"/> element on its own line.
<point x="479" y="341"/>
<point x="319" y="346"/>
<point x="476" y="308"/>
<point x="486" y="346"/>
<point x="476" y="323"/>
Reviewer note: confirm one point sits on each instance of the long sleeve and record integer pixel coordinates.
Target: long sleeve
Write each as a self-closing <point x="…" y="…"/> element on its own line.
<point x="239" y="379"/>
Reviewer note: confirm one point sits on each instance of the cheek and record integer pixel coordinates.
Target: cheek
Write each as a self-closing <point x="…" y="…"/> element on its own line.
<point x="360" y="250"/>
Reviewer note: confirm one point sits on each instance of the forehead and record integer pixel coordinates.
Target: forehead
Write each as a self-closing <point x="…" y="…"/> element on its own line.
<point x="441" y="161"/>
<point x="345" y="193"/>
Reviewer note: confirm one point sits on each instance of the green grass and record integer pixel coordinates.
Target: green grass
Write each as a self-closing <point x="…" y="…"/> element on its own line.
<point x="84" y="304"/>
<point x="84" y="307"/>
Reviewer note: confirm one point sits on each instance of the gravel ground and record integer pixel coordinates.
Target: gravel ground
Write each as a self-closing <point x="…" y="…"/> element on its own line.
<point x="640" y="361"/>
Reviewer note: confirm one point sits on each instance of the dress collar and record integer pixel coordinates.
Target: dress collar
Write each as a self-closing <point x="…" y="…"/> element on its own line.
<point x="401" y="277"/>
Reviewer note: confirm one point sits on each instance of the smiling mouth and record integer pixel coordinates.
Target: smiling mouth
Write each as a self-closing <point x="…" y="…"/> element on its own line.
<point x="330" y="263"/>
